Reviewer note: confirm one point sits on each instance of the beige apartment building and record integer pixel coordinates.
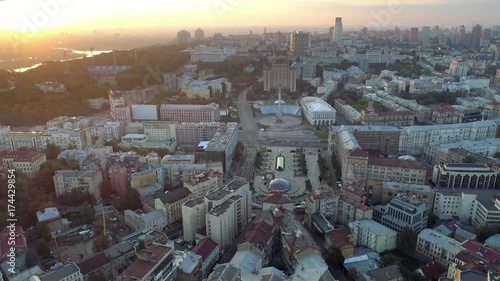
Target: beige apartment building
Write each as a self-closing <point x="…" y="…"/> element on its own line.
<point x="67" y="180"/>
<point x="171" y="203"/>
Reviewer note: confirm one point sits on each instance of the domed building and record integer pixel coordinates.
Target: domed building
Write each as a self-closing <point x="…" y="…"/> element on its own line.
<point x="279" y="185"/>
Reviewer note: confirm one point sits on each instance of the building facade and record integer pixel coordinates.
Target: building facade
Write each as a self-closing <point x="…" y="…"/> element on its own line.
<point x="401" y="212"/>
<point x="463" y="175"/>
<point x="437" y="246"/>
<point x="26" y="162"/>
<point x="280" y="75"/>
<point x="371" y="234"/>
<point x="67" y="180"/>
<point x="189" y="113"/>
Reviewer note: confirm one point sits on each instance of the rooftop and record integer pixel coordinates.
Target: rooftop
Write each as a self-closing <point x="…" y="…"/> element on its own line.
<point x="466" y="167"/>
<point x="93" y="263"/>
<point x="190" y="261"/>
<point x="449" y="244"/>
<point x="23" y="156"/>
<point x="373" y="226"/>
<point x="205" y="247"/>
<point x="224" y="272"/>
<point x="174" y="195"/>
<point x="320" y="220"/>
<point x="48" y="214"/>
<point x="61" y="273"/>
<point x="278" y="198"/>
<point x="407" y="186"/>
<point x="194" y="202"/>
<point x="390" y="272"/>
<point x="394" y="162"/>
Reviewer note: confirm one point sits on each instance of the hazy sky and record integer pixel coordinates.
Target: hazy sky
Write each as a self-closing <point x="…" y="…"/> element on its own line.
<point x="31" y="15"/>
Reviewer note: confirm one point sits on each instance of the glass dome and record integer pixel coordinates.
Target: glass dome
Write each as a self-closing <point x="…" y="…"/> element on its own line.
<point x="279" y="185"/>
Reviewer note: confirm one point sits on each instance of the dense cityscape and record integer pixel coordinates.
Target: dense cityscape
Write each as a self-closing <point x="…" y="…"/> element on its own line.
<point x="367" y="155"/>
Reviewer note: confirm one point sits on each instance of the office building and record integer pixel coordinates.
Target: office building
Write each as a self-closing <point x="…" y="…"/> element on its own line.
<point x="464" y="175"/>
<point x="203" y="53"/>
<point x="389" y="118"/>
<point x="183" y="36"/>
<point x="401" y="212"/>
<point x="371" y="234"/>
<point x="299" y="43"/>
<point x="475" y="38"/>
<point x="67" y="180"/>
<point x="280" y="75"/>
<point x="413" y="34"/>
<point x="222" y="145"/>
<point x="194" y="133"/>
<point x="199" y="34"/>
<point x="26" y="162"/>
<point x="189" y="113"/>
<point x="338" y="31"/>
<point x="30" y="140"/>
<point x="160" y="130"/>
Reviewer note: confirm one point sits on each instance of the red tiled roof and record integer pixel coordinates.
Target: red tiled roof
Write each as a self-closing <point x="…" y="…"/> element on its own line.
<point x="394" y="162"/>
<point x="23" y="155"/>
<point x="278" y="198"/>
<point x="358" y="152"/>
<point x="432" y="271"/>
<point x="204" y="248"/>
<point x="259" y="233"/>
<point x="88" y="265"/>
<point x="4" y="240"/>
<point x="340" y="237"/>
<point x="488" y="254"/>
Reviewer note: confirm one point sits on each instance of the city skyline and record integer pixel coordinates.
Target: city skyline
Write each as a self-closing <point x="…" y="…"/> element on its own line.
<point x="59" y="15"/>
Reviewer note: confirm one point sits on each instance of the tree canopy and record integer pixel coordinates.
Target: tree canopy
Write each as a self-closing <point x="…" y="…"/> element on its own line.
<point x="407" y="241"/>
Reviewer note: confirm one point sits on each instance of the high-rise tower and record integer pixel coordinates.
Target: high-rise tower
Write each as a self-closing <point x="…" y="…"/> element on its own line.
<point x="337" y="38"/>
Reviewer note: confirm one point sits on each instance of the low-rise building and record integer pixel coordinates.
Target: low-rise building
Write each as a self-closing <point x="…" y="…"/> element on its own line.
<point x="437" y="246"/>
<point x="203" y="184"/>
<point x="51" y="217"/>
<point x="190" y="268"/>
<point x="97" y="265"/>
<point x="143" y="178"/>
<point x="139" y="220"/>
<point x="26" y="162"/>
<point x="225" y="272"/>
<point x="474" y="256"/>
<point x="69" y="272"/>
<point x="67" y="180"/>
<point x="209" y="252"/>
<point x="371" y="234"/>
<point x="121" y="256"/>
<point x="154" y="262"/>
<point x="385" y="191"/>
<point x="317" y="111"/>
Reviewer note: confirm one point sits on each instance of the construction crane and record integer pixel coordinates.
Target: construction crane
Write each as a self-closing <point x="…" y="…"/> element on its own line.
<point x="57" y="247"/>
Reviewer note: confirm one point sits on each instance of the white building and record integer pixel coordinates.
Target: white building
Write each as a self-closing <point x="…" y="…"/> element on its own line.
<point x="401" y="212"/>
<point x="464" y="175"/>
<point x="371" y="234"/>
<point x="425" y="85"/>
<point x="160" y="130"/>
<point x="26" y="162"/>
<point x="449" y="203"/>
<point x="476" y="83"/>
<point x="415" y="140"/>
<point x="228" y="210"/>
<point x="338" y="32"/>
<point x="113" y="130"/>
<point x="67" y="180"/>
<point x="204" y="88"/>
<point x="193" y="217"/>
<point x="317" y="111"/>
<point x="203" y="53"/>
<point x="437" y="246"/>
<point x="64" y="139"/>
